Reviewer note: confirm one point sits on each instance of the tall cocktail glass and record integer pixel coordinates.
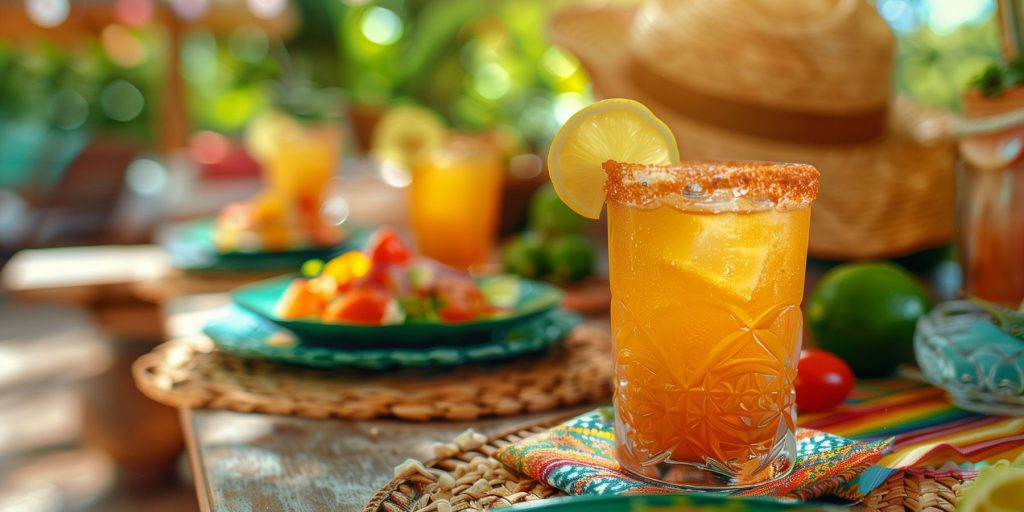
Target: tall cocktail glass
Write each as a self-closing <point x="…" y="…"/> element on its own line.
<point x="706" y="262"/>
<point x="455" y="199"/>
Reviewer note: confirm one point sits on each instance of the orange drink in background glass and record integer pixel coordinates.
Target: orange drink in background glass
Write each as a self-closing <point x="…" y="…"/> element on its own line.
<point x="302" y="162"/>
<point x="455" y="199"/>
<point x="706" y="263"/>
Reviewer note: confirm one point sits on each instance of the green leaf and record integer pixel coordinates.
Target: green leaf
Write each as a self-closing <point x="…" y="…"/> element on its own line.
<point x="990" y="82"/>
<point x="1009" y="320"/>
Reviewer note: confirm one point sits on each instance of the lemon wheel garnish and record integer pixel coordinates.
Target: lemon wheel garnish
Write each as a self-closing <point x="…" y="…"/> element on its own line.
<point x="407" y="134"/>
<point x="997" y="489"/>
<point x="616" y="129"/>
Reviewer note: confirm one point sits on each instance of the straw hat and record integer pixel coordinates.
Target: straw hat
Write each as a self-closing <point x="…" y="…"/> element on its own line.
<point x="803" y="81"/>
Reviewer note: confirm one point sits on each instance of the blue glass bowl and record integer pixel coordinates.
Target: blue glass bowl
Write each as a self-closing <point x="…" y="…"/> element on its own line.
<point x="981" y="367"/>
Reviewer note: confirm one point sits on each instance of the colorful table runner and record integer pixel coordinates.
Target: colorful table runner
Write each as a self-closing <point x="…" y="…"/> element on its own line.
<point x="927" y="433"/>
<point x="931" y="435"/>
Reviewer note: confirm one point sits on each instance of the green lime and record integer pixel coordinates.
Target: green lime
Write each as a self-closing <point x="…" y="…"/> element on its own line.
<point x="866" y="313"/>
<point x="550" y="216"/>
<point x="571" y="258"/>
<point x="524" y="255"/>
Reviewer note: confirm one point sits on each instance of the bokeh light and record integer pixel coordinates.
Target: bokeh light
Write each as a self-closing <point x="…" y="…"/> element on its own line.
<point x="395" y="174"/>
<point x="899" y="14"/>
<point x="208" y="147"/>
<point x="135" y="12"/>
<point x="121" y="45"/>
<point x="199" y="57"/>
<point x="567" y="104"/>
<point x="146" y="177"/>
<point x="559" y="63"/>
<point x="68" y="110"/>
<point x="190" y="9"/>
<point x="335" y="209"/>
<point x="945" y="16"/>
<point x="267" y="9"/>
<point x="381" y="26"/>
<point x="491" y="81"/>
<point x="525" y="166"/>
<point x="233" y="108"/>
<point x="48" y="13"/>
<point x="122" y="101"/>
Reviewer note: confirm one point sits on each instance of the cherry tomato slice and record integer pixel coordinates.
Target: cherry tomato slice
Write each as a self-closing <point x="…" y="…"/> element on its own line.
<point x="387" y="248"/>
<point x="823" y="381"/>
<point x="366" y="306"/>
<point x="456" y="313"/>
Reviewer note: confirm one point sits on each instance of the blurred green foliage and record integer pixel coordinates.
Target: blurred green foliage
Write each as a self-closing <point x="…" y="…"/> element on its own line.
<point x="78" y="88"/>
<point x="935" y="68"/>
<point x="229" y="79"/>
<point x="941" y="45"/>
<point x="479" y="64"/>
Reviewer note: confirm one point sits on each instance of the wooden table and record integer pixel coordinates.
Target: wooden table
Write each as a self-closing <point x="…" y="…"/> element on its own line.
<point x="265" y="463"/>
<point x="259" y="462"/>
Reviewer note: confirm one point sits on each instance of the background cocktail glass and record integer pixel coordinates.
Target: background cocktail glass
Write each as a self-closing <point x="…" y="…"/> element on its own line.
<point x="455" y="199"/>
<point x="707" y="324"/>
<point x="297" y="158"/>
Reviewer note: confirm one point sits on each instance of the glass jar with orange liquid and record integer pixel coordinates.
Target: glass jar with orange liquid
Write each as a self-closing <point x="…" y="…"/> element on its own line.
<point x="455" y="200"/>
<point x="706" y="265"/>
<point x="990" y="197"/>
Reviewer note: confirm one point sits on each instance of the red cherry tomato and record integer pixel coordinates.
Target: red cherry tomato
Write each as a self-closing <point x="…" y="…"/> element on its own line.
<point x="366" y="306"/>
<point x="386" y="247"/>
<point x="456" y="313"/>
<point x="823" y="381"/>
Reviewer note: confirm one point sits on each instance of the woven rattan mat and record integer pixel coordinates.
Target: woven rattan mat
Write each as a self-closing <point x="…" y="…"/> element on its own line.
<point x="192" y="372"/>
<point x="465" y="476"/>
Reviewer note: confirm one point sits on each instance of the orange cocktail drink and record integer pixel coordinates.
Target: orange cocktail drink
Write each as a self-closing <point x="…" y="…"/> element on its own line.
<point x="454" y="201"/>
<point x="706" y="262"/>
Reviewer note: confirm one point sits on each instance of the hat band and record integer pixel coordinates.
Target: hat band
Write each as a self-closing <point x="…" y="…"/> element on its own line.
<point x="758" y="120"/>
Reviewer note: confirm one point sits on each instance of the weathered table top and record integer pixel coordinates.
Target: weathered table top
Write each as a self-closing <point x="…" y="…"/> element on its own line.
<point x="257" y="462"/>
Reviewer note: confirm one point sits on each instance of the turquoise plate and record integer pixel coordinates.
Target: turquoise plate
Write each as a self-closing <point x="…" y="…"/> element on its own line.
<point x="241" y="333"/>
<point x="534" y="298"/>
<point x="191" y="248"/>
<point x="671" y="503"/>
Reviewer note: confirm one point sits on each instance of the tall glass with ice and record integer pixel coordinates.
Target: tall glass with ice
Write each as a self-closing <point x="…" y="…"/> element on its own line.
<point x="706" y="262"/>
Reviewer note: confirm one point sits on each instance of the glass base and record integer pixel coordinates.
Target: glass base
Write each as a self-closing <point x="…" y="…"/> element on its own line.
<point x="990" y="407"/>
<point x="714" y="475"/>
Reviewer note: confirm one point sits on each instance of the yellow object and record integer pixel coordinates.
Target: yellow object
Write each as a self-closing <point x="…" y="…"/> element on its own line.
<point x="455" y="199"/>
<point x="406" y="134"/>
<point x="348" y="267"/>
<point x="998" y="488"/>
<point x="615" y="129"/>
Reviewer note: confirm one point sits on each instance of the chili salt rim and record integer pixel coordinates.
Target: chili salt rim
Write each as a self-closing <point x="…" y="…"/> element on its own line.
<point x="783" y="184"/>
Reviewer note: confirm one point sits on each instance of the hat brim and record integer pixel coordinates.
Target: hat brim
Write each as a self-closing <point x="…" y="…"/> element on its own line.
<point x="884" y="197"/>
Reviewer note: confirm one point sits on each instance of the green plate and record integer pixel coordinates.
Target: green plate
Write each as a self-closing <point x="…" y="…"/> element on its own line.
<point x="533" y="298"/>
<point x="191" y="248"/>
<point x="671" y="503"/>
<point x="240" y="332"/>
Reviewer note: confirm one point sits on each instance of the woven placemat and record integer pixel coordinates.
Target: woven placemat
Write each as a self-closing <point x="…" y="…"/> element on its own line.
<point x="917" y="492"/>
<point x="466" y="476"/>
<point x="192" y="372"/>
